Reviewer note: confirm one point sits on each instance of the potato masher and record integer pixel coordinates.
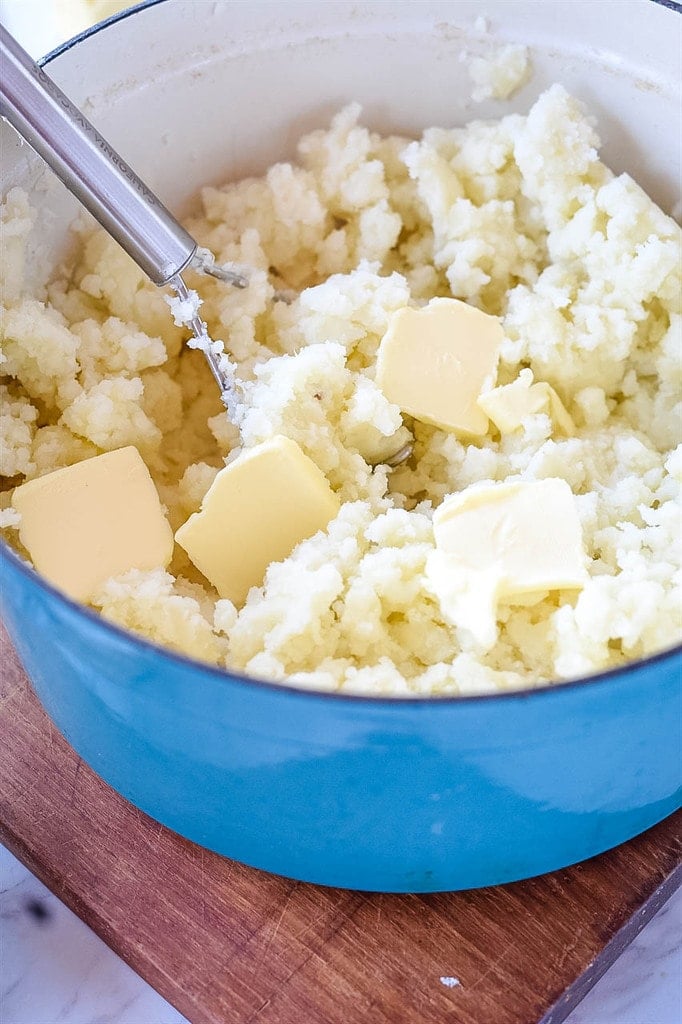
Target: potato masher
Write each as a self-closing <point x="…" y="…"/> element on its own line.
<point x="104" y="183"/>
<point x="116" y="197"/>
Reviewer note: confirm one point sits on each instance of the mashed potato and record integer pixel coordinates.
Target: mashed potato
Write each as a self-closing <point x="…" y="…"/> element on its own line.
<point x="499" y="76"/>
<point x="518" y="217"/>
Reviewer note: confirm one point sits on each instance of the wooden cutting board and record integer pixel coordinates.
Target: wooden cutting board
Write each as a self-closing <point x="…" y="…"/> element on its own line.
<point x="230" y="945"/>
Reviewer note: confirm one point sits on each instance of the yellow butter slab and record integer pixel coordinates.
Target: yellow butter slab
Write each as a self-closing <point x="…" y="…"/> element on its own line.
<point x="256" y="511"/>
<point x="509" y="405"/>
<point x="96" y="519"/>
<point x="528" y="533"/>
<point x="434" y="363"/>
<point x="510" y="542"/>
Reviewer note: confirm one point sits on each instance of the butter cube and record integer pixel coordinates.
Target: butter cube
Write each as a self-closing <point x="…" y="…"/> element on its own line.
<point x="508" y="542"/>
<point x="96" y="519"/>
<point x="434" y="363"/>
<point x="509" y="405"/>
<point x="256" y="511"/>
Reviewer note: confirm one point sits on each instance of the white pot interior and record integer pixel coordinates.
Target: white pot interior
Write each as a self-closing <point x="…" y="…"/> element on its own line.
<point x="192" y="93"/>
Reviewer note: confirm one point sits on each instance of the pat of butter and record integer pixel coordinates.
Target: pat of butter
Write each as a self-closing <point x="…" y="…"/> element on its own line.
<point x="509" y="405"/>
<point x="255" y="512"/>
<point x="434" y="363"/>
<point x="504" y="542"/>
<point x="93" y="520"/>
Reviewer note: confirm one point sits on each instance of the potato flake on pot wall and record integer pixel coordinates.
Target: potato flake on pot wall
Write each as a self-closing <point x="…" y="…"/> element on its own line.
<point x="501" y="74"/>
<point x="580" y="273"/>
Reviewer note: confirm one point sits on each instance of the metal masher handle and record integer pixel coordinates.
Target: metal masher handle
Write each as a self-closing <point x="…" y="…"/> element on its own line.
<point x="89" y="167"/>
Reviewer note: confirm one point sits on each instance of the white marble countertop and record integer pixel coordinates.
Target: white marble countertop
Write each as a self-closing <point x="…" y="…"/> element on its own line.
<point x="54" y="970"/>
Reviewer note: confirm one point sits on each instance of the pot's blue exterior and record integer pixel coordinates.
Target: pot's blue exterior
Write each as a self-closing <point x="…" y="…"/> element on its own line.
<point x="417" y="795"/>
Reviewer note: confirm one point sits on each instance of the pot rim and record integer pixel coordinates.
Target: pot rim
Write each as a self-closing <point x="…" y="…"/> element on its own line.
<point x="669" y="655"/>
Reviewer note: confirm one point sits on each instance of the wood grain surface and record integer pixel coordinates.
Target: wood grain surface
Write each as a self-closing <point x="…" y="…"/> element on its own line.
<point x="230" y="945"/>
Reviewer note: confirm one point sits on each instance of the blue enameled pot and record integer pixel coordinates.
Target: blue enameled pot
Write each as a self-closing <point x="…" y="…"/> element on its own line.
<point x="393" y="795"/>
